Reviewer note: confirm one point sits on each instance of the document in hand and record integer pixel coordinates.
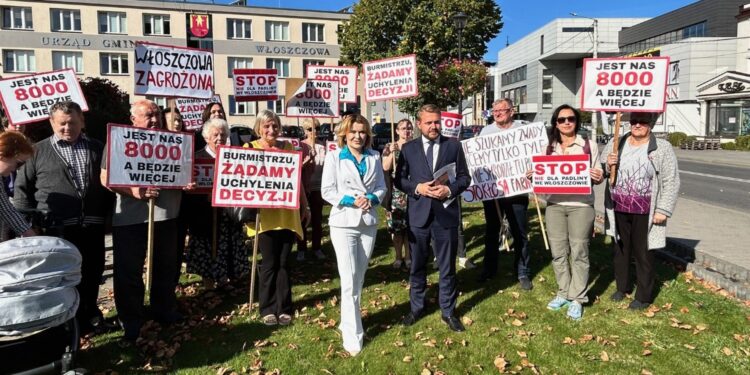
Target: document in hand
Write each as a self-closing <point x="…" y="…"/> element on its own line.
<point x="445" y="176"/>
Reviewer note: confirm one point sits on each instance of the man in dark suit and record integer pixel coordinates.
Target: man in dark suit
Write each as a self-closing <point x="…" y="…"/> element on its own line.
<point x="429" y="219"/>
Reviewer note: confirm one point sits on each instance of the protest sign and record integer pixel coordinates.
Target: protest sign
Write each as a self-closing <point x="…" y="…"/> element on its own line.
<point x="498" y="162"/>
<point x="294" y="141"/>
<point x="191" y="110"/>
<point x="162" y="70"/>
<point x="561" y="174"/>
<point x="148" y="157"/>
<point x="28" y="98"/>
<point x="450" y="124"/>
<point x="390" y="78"/>
<point x="345" y="76"/>
<point x="251" y="177"/>
<point x="203" y="175"/>
<point x="625" y="84"/>
<point x="312" y="98"/>
<point x="255" y="84"/>
<point x="331" y="146"/>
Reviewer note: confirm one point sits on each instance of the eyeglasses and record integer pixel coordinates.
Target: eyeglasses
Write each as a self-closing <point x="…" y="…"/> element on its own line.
<point x="570" y="119"/>
<point x="634" y="122"/>
<point x="502" y="110"/>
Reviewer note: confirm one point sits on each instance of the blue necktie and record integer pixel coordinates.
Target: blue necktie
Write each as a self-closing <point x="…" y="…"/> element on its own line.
<point x="429" y="154"/>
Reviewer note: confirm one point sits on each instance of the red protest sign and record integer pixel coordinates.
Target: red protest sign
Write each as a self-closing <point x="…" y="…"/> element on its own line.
<point x="629" y="84"/>
<point x="450" y="124"/>
<point x="255" y="84"/>
<point x="138" y="157"/>
<point x="256" y="178"/>
<point x="28" y="98"/>
<point x="203" y="175"/>
<point x="163" y="70"/>
<point x="390" y="78"/>
<point x="561" y="174"/>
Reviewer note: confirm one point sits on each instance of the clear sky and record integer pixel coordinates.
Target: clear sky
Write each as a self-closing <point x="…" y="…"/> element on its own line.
<point x="520" y="17"/>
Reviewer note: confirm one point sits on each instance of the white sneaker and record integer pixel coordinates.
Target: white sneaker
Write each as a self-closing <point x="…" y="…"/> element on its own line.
<point x="397" y="263"/>
<point x="466" y="263"/>
<point x="319" y="254"/>
<point x="300" y="256"/>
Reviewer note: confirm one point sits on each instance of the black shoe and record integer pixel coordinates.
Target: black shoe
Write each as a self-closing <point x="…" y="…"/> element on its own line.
<point x="410" y="319"/>
<point x="485" y="278"/>
<point x="617" y="296"/>
<point x="638" y="305"/>
<point x="454" y="323"/>
<point x="99" y="325"/>
<point x="526" y="283"/>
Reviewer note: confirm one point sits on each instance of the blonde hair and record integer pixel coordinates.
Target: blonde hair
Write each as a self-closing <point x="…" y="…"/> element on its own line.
<point x="347" y="123"/>
<point x="263" y="116"/>
<point x="310" y="122"/>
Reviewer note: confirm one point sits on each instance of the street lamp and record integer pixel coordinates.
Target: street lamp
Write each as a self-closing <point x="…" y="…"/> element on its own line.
<point x="459" y="21"/>
<point x="594" y="118"/>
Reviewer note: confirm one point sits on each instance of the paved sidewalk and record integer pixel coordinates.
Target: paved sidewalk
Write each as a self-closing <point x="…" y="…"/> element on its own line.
<point x="715" y="241"/>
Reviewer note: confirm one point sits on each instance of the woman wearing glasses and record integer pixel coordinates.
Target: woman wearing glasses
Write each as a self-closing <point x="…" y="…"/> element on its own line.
<point x="570" y="218"/>
<point x="314" y="155"/>
<point x="15" y="150"/>
<point x="638" y="200"/>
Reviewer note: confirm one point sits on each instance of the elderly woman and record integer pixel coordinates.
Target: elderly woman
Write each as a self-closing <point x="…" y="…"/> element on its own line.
<point x="212" y="110"/>
<point x="570" y="218"/>
<point x="230" y="261"/>
<point x="396" y="214"/>
<point x="15" y="150"/>
<point x="314" y="155"/>
<point x="638" y="203"/>
<point x="278" y="230"/>
<point x="354" y="185"/>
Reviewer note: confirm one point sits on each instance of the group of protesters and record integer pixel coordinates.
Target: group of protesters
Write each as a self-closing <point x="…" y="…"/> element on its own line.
<point x="65" y="177"/>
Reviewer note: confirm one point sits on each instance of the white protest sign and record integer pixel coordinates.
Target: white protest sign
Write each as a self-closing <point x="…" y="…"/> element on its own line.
<point x="28" y="98"/>
<point x="314" y="98"/>
<point x="632" y="84"/>
<point x="203" y="175"/>
<point x="390" y="78"/>
<point x="255" y="84"/>
<point x="331" y="146"/>
<point x="148" y="157"/>
<point x="498" y="162"/>
<point x="561" y="174"/>
<point x="346" y="76"/>
<point x="450" y="124"/>
<point x="191" y="110"/>
<point x="162" y="70"/>
<point x="251" y="177"/>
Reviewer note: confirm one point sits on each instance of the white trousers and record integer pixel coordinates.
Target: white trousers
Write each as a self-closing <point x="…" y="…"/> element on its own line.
<point x="353" y="248"/>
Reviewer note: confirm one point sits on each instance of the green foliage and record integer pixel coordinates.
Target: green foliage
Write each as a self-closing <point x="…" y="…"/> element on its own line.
<point x="107" y="103"/>
<point x="677" y="138"/>
<point x="743" y="142"/>
<point x="380" y="29"/>
<point x="729" y="146"/>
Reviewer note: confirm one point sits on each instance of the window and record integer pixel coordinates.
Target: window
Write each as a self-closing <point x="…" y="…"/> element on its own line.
<point x="278" y="31"/>
<point x="578" y="29"/>
<point x="241" y="108"/>
<point x="239" y="29"/>
<point x="281" y="66"/>
<point x="305" y="63"/>
<point x="541" y="46"/>
<point x="18" y="18"/>
<point x="547" y="100"/>
<point x="238" y="63"/>
<point x="66" y="20"/>
<point x="65" y="60"/>
<point x="160" y="101"/>
<point x="513" y="76"/>
<point x="113" y="23"/>
<point x="156" y="24"/>
<point x="17" y="61"/>
<point x="277" y="106"/>
<point x="114" y="63"/>
<point x="312" y="33"/>
<point x="547" y="83"/>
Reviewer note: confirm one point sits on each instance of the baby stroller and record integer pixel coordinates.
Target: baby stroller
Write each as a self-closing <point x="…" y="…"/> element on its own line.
<point x="38" y="302"/>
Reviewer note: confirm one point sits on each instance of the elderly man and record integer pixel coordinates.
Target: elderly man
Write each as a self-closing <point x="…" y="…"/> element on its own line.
<point x="62" y="180"/>
<point x="129" y="236"/>
<point x="514" y="208"/>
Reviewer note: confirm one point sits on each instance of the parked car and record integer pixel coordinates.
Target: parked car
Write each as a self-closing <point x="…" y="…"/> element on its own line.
<point x="293" y="131"/>
<point x="325" y="133"/>
<point x="382" y="135"/>
<point x="241" y="134"/>
<point x="471" y="131"/>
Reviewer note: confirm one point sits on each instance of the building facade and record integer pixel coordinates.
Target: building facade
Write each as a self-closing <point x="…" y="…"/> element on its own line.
<point x="97" y="39"/>
<point x="544" y="69"/>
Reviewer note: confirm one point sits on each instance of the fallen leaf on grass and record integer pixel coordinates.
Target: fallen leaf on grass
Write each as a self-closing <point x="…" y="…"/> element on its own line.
<point x="727" y="351"/>
<point x="569" y="341"/>
<point x="517" y="323"/>
<point x="739" y="338"/>
<point x="688" y="346"/>
<point x="425" y="371"/>
<point x="408" y="359"/>
<point x="649" y="314"/>
<point x="466" y="321"/>
<point x="646" y="353"/>
<point x="398" y="344"/>
<point x="515" y="295"/>
<point x="684" y="310"/>
<point x="646" y="372"/>
<point x="604" y="356"/>
<point x="501" y="363"/>
<point x="430" y="343"/>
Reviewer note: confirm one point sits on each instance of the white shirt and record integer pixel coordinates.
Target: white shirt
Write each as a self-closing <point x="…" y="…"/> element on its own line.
<point x="494" y="128"/>
<point x="435" y="149"/>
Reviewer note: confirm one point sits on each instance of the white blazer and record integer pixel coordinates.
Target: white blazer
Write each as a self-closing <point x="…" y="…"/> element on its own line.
<point x="341" y="177"/>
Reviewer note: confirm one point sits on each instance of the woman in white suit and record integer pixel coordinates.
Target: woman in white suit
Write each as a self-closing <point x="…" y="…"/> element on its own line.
<point x="354" y="185"/>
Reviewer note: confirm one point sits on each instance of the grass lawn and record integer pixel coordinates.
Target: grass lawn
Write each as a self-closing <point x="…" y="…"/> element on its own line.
<point x="690" y="328"/>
